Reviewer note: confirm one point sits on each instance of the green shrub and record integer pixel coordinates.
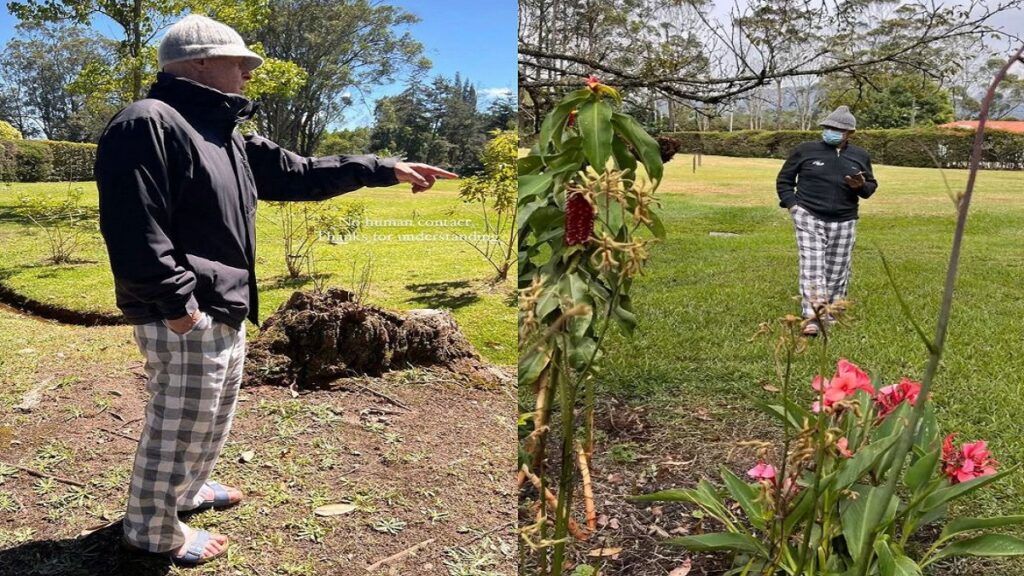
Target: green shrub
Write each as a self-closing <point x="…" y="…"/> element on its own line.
<point x="920" y="148"/>
<point x="72" y="161"/>
<point x="46" y="161"/>
<point x="33" y="161"/>
<point x="8" y="132"/>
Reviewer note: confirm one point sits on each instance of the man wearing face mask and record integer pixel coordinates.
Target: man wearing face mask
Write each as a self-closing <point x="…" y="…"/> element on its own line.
<point x="821" y="184"/>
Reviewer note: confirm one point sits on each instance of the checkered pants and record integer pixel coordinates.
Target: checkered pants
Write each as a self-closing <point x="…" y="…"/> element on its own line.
<point x="193" y="385"/>
<point x="826" y="250"/>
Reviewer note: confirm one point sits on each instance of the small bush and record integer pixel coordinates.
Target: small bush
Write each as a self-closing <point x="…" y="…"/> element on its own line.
<point x="8" y="132"/>
<point x="33" y="161"/>
<point x="920" y="148"/>
<point x="46" y="161"/>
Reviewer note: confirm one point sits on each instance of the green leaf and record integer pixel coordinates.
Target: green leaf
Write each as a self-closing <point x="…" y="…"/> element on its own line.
<point x="893" y="563"/>
<point x="650" y="152"/>
<point x="524" y="211"/>
<point x="793" y="417"/>
<point x="853" y="469"/>
<point x="529" y="165"/>
<point x="961" y="525"/>
<point x="746" y="495"/>
<point x="624" y="158"/>
<point x="656" y="226"/>
<point x="940" y="497"/>
<point x="557" y="118"/>
<point x="531" y="366"/>
<point x="623" y="314"/>
<point x="984" y="545"/>
<point x="721" y="541"/>
<point x="799" y="511"/>
<point x="871" y="501"/>
<point x="595" y="122"/>
<point x="920" y="472"/>
<point x="534" y="185"/>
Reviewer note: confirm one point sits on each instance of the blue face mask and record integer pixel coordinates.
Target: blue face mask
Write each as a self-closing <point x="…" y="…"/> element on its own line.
<point x="833" y="137"/>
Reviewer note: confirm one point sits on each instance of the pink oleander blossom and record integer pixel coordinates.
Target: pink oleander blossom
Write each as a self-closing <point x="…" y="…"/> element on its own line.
<point x="971" y="461"/>
<point x="843" y="445"/>
<point x="890" y="397"/>
<point x="847" y="380"/>
<point x="762" y="472"/>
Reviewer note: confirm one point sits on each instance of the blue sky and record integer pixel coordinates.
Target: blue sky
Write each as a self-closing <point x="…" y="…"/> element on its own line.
<point x="475" y="39"/>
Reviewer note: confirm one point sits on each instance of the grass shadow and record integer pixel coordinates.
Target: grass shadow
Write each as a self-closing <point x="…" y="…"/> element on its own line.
<point x="96" y="554"/>
<point x="450" y="295"/>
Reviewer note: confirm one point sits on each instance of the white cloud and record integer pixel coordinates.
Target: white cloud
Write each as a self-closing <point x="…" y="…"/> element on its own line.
<point x="492" y="93"/>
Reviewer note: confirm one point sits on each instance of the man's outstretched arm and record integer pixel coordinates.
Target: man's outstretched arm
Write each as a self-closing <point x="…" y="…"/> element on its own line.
<point x="282" y="175"/>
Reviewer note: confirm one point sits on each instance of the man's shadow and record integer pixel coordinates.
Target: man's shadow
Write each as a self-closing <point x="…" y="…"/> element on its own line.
<point x="97" y="554"/>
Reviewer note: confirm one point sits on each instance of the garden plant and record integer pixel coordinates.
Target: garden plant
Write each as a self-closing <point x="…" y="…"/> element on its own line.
<point x="841" y="497"/>
<point x="586" y="222"/>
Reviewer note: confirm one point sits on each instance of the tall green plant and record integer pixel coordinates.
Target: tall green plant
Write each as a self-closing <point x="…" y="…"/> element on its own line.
<point x="585" y="224"/>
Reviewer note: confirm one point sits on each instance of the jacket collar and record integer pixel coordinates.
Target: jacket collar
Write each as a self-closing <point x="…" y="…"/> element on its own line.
<point x="192" y="98"/>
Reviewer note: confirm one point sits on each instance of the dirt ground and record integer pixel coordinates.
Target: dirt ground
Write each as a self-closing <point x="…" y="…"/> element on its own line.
<point x="421" y="454"/>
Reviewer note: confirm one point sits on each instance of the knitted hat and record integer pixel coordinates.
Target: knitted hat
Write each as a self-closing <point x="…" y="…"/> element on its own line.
<point x="840" y="118"/>
<point x="194" y="37"/>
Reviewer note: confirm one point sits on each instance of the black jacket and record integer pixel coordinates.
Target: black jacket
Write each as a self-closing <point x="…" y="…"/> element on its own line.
<point x="813" y="177"/>
<point x="177" y="189"/>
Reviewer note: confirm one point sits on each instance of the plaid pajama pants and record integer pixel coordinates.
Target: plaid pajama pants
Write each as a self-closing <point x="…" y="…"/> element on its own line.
<point x="825" y="250"/>
<point x="193" y="382"/>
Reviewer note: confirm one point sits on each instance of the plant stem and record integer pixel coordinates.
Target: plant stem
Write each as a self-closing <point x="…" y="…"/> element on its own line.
<point x="935" y="354"/>
<point x="567" y="396"/>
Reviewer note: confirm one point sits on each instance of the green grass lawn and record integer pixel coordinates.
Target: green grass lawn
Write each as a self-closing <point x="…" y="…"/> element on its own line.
<point x="414" y="266"/>
<point x="703" y="297"/>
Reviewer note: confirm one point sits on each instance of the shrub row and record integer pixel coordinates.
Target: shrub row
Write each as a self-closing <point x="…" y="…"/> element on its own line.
<point x="923" y="148"/>
<point x="45" y="161"/>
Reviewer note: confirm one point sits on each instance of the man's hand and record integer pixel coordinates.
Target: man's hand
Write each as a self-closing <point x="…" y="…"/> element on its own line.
<point x="421" y="176"/>
<point x="185" y="323"/>
<point x="856" y="181"/>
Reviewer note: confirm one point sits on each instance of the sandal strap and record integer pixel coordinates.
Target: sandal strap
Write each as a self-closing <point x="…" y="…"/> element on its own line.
<point x="220" y="494"/>
<point x="194" y="554"/>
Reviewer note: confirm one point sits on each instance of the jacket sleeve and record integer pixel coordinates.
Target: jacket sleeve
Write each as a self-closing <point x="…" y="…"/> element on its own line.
<point x="283" y="175"/>
<point x="870" y="184"/>
<point x="132" y="176"/>
<point x="785" y="183"/>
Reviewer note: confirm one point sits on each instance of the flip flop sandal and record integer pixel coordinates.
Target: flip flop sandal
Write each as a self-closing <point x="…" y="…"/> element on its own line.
<point x="193" y="556"/>
<point x="812" y="328"/>
<point x="220" y="499"/>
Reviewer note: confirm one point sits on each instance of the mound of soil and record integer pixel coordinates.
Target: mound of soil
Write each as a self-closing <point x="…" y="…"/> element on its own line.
<point x="315" y="338"/>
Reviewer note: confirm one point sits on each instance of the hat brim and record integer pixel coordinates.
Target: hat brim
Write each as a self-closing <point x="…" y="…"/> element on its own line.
<point x="252" y="59"/>
<point x="834" y="127"/>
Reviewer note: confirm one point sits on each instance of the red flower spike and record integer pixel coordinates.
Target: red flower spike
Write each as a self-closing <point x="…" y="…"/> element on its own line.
<point x="593" y="82"/>
<point x="572" y="119"/>
<point x="579" y="220"/>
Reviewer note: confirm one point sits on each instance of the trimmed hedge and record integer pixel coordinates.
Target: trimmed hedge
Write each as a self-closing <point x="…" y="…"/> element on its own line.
<point x="920" y="148"/>
<point x="46" y="161"/>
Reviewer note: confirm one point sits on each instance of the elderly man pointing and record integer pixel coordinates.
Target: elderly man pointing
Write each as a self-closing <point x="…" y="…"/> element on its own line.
<point x="178" y="186"/>
<point x="821" y="184"/>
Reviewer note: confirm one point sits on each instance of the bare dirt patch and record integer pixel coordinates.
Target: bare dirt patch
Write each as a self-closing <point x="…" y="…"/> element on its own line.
<point x="420" y="454"/>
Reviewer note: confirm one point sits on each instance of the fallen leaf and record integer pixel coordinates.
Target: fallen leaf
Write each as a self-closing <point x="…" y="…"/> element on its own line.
<point x="655" y="529"/>
<point x="334" y="510"/>
<point x="613" y="523"/>
<point x="770" y="388"/>
<point x="604" y="552"/>
<point x="683" y="569"/>
<point x="247" y="456"/>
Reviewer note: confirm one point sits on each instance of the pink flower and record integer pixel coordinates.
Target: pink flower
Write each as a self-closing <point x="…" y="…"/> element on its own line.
<point x="890" y="397"/>
<point x="971" y="461"/>
<point x="847" y="380"/>
<point x="843" y="445"/>
<point x="762" y="471"/>
<point x="593" y="82"/>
